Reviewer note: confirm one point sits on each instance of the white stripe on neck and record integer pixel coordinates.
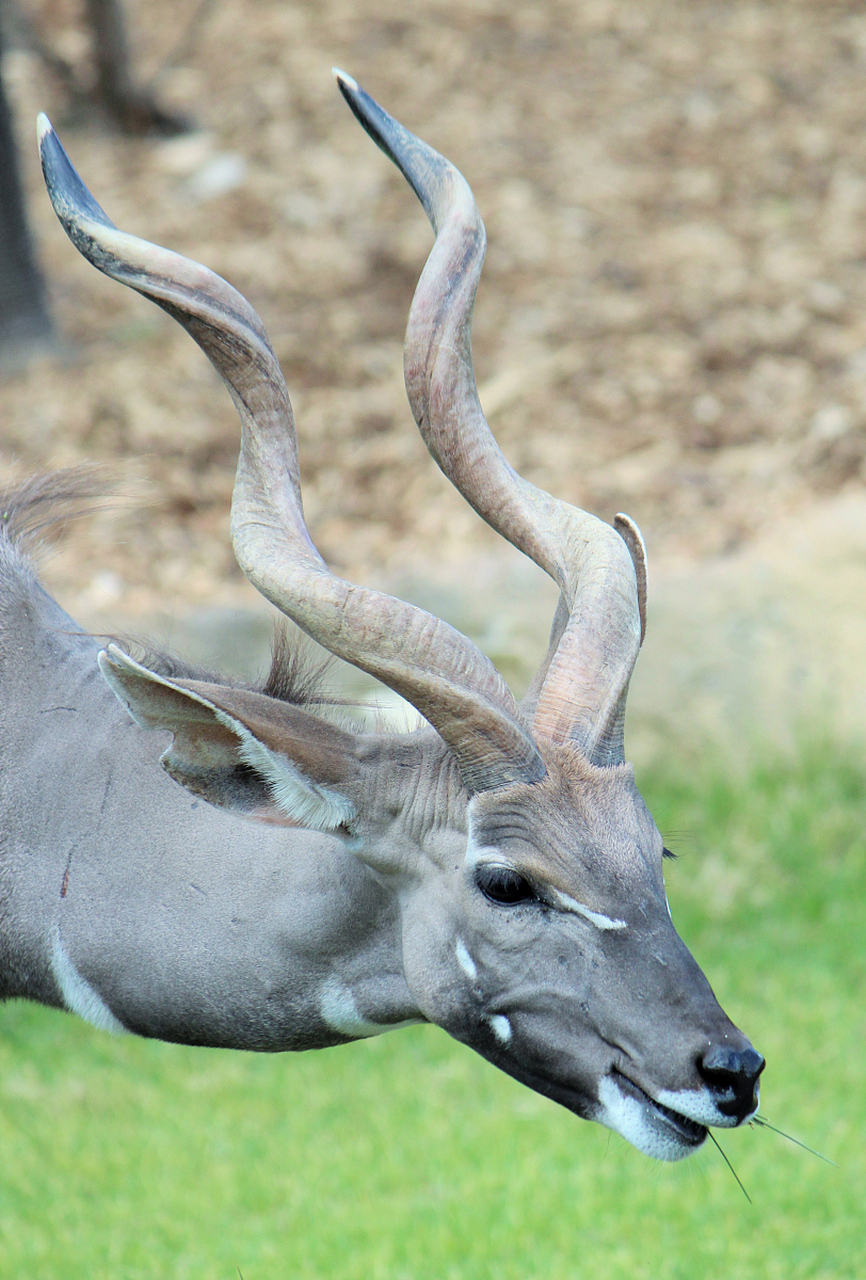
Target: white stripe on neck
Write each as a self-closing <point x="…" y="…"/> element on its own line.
<point x="78" y="995"/>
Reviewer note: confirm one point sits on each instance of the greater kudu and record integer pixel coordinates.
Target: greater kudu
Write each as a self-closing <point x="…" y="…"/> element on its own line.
<point x="494" y="871"/>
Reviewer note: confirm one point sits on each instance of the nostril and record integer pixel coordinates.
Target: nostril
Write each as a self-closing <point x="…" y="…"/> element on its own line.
<point x="722" y="1060"/>
<point x="735" y="1073"/>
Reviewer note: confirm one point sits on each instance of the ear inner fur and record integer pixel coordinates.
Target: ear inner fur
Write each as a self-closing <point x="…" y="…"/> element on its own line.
<point x="239" y="749"/>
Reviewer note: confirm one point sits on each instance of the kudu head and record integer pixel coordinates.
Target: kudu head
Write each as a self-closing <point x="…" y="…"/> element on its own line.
<point x="525" y="865"/>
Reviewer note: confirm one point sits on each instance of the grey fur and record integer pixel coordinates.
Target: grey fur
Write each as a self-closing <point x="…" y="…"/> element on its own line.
<point x="177" y="914"/>
<point x="498" y="875"/>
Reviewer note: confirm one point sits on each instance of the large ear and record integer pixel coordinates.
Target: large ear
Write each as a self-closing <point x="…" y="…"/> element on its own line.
<point x="242" y="751"/>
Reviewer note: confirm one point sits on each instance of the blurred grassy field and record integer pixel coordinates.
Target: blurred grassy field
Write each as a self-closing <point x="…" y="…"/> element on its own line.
<point x="409" y="1157"/>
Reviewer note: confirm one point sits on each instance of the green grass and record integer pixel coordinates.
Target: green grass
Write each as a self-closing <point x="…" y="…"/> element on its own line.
<point x="408" y="1157"/>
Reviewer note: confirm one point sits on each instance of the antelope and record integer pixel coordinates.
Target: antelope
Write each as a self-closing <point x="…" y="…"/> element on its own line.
<point x="493" y="871"/>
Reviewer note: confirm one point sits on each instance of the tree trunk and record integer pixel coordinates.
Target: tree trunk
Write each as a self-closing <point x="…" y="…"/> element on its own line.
<point x="25" y="324"/>
<point x="134" y="109"/>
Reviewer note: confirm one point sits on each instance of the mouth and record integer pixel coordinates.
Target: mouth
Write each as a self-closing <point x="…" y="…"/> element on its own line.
<point x="659" y="1131"/>
<point x="689" y="1133"/>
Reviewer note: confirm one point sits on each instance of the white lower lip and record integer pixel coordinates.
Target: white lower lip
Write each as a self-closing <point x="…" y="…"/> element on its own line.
<point x="631" y="1112"/>
<point x="679" y="1122"/>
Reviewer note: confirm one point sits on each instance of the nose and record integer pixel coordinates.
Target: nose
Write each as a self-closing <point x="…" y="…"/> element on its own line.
<point x="732" y="1074"/>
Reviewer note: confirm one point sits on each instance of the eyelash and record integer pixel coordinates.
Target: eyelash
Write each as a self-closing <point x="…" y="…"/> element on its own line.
<point x="503" y="885"/>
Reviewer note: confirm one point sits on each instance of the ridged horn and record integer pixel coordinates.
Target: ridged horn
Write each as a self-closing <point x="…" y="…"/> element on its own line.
<point x="582" y="696"/>
<point x="453" y="685"/>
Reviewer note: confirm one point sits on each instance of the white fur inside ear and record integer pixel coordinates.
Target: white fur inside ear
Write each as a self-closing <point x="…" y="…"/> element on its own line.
<point x="305" y="802"/>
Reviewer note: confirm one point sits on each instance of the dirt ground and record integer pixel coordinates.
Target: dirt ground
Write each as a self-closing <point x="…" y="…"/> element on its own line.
<point x="672" y="320"/>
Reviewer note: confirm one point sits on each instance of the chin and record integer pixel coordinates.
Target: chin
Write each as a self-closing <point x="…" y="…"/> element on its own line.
<point x="652" y="1127"/>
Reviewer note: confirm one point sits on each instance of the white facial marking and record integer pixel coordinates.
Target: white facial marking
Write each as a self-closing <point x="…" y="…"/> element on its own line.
<point x="500" y="1026"/>
<point x="78" y="995"/>
<point x="628" y="1116"/>
<point x="698" y="1104"/>
<point x="337" y="1007"/>
<point x="464" y="959"/>
<point x="476" y="853"/>
<point x="594" y="917"/>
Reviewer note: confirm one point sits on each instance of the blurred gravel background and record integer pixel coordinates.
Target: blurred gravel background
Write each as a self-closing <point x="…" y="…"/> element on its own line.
<point x="672" y="319"/>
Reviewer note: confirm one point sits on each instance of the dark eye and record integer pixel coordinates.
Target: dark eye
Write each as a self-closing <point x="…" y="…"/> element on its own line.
<point x="503" y="884"/>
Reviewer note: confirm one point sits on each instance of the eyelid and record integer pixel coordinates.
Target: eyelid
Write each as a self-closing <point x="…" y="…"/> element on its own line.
<point x="500" y="864"/>
<point x="476" y="853"/>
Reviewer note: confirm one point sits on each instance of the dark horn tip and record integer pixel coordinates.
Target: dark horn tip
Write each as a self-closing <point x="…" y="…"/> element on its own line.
<point x="419" y="164"/>
<point x="68" y="194"/>
<point x="372" y="118"/>
<point x="343" y="78"/>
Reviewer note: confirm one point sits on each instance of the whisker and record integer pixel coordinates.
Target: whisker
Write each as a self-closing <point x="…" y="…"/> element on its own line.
<point x="730" y="1166"/>
<point x="765" y="1124"/>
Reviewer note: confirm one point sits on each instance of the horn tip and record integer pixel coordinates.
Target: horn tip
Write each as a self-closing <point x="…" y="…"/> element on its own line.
<point x="51" y="151"/>
<point x="344" y="79"/>
<point x="70" y="197"/>
<point x="633" y="538"/>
